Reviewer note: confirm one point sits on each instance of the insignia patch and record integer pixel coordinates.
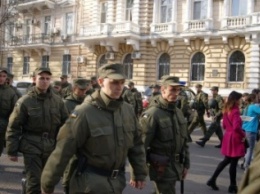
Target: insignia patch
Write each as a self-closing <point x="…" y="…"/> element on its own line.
<point x="145" y="116"/>
<point x="74" y="115"/>
<point x="17" y="104"/>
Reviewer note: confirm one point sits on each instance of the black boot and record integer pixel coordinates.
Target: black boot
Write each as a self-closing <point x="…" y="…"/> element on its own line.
<point x="218" y="146"/>
<point x="212" y="183"/>
<point x="201" y="143"/>
<point x="232" y="189"/>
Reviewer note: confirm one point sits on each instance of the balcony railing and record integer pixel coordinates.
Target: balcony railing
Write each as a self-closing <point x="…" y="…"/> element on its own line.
<point x="163" y="28"/>
<point x="255" y="19"/>
<point x="236" y="22"/>
<point x="34" y="39"/>
<point x="94" y="30"/>
<point x="126" y="27"/>
<point x="31" y="4"/>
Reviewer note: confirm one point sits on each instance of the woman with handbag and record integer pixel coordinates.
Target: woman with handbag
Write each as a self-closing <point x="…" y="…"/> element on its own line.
<point x="233" y="142"/>
<point x="251" y="127"/>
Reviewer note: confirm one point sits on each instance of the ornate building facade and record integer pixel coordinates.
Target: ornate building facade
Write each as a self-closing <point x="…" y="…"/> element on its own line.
<point x="212" y="42"/>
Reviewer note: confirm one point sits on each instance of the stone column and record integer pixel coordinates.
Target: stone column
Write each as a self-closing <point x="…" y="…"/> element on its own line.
<point x="253" y="68"/>
<point x="136" y="11"/>
<point x="110" y="12"/>
<point x="188" y="10"/>
<point x="250" y="6"/>
<point x="210" y="9"/>
<point x="96" y="13"/>
<point x="119" y="13"/>
<point x="155" y="12"/>
<point x="226" y="8"/>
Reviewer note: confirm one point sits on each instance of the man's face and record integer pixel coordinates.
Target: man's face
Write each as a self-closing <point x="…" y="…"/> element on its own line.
<point x="198" y="89"/>
<point x="42" y="81"/>
<point x="112" y="88"/>
<point x="63" y="80"/>
<point x="170" y="93"/>
<point x="155" y="90"/>
<point x="3" y="77"/>
<point x="214" y="92"/>
<point x="57" y="88"/>
<point x="79" y="92"/>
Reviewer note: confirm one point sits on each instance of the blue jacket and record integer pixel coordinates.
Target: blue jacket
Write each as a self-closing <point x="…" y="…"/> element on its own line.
<point x="252" y="110"/>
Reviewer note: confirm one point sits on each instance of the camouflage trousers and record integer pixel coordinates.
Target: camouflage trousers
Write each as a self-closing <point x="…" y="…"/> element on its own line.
<point x="198" y="120"/>
<point x="165" y="187"/>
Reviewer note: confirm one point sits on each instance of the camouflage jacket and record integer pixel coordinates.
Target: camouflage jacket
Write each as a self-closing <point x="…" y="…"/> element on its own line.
<point x="138" y="101"/>
<point x="66" y="89"/>
<point x="72" y="101"/>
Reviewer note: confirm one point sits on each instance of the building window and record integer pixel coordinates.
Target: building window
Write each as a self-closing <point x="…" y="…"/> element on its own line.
<point x="129" y="8"/>
<point x="164" y="65"/>
<point x="28" y="25"/>
<point x="236" y="67"/>
<point x="66" y="64"/>
<point x="69" y="23"/>
<point x="238" y="7"/>
<point x="198" y="67"/>
<point x="26" y="65"/>
<point x="10" y="64"/>
<point x="128" y="66"/>
<point x="45" y="61"/>
<point x="200" y="9"/>
<point x="10" y="31"/>
<point x="102" y="61"/>
<point x="103" y="12"/>
<point x="166" y="11"/>
<point x="47" y="25"/>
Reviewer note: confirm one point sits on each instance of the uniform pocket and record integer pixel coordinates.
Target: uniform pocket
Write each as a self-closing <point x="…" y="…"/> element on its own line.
<point x="35" y="118"/>
<point x="55" y="115"/>
<point x="165" y="132"/>
<point x="101" y="140"/>
<point x="129" y="136"/>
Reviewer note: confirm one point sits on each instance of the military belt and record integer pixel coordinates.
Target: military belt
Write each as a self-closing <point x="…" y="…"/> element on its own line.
<point x="173" y="157"/>
<point x="44" y="135"/>
<point x="113" y="174"/>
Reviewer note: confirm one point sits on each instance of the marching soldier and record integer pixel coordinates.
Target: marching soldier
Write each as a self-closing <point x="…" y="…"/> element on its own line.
<point x="33" y="126"/>
<point x="7" y="103"/>
<point x="9" y="81"/>
<point x="66" y="86"/>
<point x="56" y="85"/>
<point x="201" y="106"/>
<point x="215" y="106"/>
<point x="138" y="99"/>
<point x="30" y="87"/>
<point x="166" y="137"/>
<point x="128" y="97"/>
<point x="103" y="131"/>
<point x="155" y="91"/>
<point x="183" y="103"/>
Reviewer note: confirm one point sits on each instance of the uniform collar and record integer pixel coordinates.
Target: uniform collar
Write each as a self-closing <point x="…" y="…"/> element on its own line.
<point x="166" y="105"/>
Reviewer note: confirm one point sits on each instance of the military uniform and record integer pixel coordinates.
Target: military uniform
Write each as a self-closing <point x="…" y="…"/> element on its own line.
<point x="66" y="87"/>
<point x="103" y="132"/>
<point x="166" y="135"/>
<point x="72" y="101"/>
<point x="138" y="99"/>
<point x="8" y="99"/>
<point x="200" y="105"/>
<point x="129" y="97"/>
<point x="32" y="130"/>
<point x="183" y="104"/>
<point x="215" y="126"/>
<point x="250" y="181"/>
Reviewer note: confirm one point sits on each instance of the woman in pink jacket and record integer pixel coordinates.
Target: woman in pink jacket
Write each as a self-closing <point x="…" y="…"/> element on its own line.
<point x="233" y="142"/>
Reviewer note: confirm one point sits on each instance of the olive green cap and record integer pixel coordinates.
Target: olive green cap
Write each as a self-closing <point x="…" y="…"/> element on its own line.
<point x="3" y="70"/>
<point x="214" y="88"/>
<point x="10" y="76"/>
<point x="64" y="76"/>
<point x="40" y="70"/>
<point x="131" y="83"/>
<point x="170" y="80"/>
<point x="56" y="83"/>
<point x="198" y="86"/>
<point x="155" y="86"/>
<point x="113" y="71"/>
<point x="81" y="83"/>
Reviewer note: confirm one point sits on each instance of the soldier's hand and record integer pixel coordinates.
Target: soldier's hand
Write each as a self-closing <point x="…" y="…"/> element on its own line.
<point x="184" y="173"/>
<point x="13" y="158"/>
<point x="137" y="184"/>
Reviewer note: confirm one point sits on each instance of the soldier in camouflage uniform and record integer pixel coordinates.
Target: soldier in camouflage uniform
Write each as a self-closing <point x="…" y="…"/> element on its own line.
<point x="166" y="135"/>
<point x="155" y="91"/>
<point x="56" y="86"/>
<point x="201" y="106"/>
<point x="138" y="99"/>
<point x="216" y="106"/>
<point x="9" y="81"/>
<point x="33" y="126"/>
<point x="128" y="97"/>
<point x="8" y="99"/>
<point x="103" y="131"/>
<point x="66" y="86"/>
<point x="183" y="104"/>
<point x="30" y="87"/>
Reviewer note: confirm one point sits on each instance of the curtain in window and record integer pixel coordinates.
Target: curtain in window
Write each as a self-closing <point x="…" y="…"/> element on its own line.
<point x="103" y="16"/>
<point x="129" y="6"/>
<point x="69" y="23"/>
<point x="26" y="65"/>
<point x="198" y="67"/>
<point x="66" y="64"/>
<point x="128" y="66"/>
<point x="200" y="9"/>
<point x="47" y="25"/>
<point x="236" y="66"/>
<point x="163" y="65"/>
<point x="10" y="64"/>
<point x="45" y="61"/>
<point x="166" y="11"/>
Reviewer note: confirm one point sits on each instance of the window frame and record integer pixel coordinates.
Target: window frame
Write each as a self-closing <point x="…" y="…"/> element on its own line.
<point x="167" y="20"/>
<point x="129" y="11"/>
<point x="103" y="12"/>
<point x="200" y="66"/>
<point x="164" y="64"/>
<point x="69" y="31"/>
<point x="26" y="65"/>
<point x="203" y="9"/>
<point x="45" y="61"/>
<point x="236" y="68"/>
<point x="47" y="25"/>
<point x="128" y="66"/>
<point x="66" y="64"/>
<point x="244" y="5"/>
<point x="10" y="63"/>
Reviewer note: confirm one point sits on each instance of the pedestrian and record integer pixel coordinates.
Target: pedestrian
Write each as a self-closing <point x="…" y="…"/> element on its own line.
<point x="166" y="135"/>
<point x="251" y="127"/>
<point x="9" y="81"/>
<point x="250" y="180"/>
<point x="200" y="105"/>
<point x="215" y="110"/>
<point x="138" y="98"/>
<point x="103" y="131"/>
<point x="7" y="103"/>
<point x="233" y="146"/>
<point x="66" y="86"/>
<point x="33" y="126"/>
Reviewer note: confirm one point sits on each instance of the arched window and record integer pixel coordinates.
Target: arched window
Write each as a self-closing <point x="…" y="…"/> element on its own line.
<point x="163" y="65"/>
<point x="236" y="67"/>
<point x="102" y="61"/>
<point x="128" y="66"/>
<point x="198" y="67"/>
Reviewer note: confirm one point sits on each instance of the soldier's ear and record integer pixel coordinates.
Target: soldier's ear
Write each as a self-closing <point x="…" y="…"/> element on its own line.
<point x="101" y="81"/>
